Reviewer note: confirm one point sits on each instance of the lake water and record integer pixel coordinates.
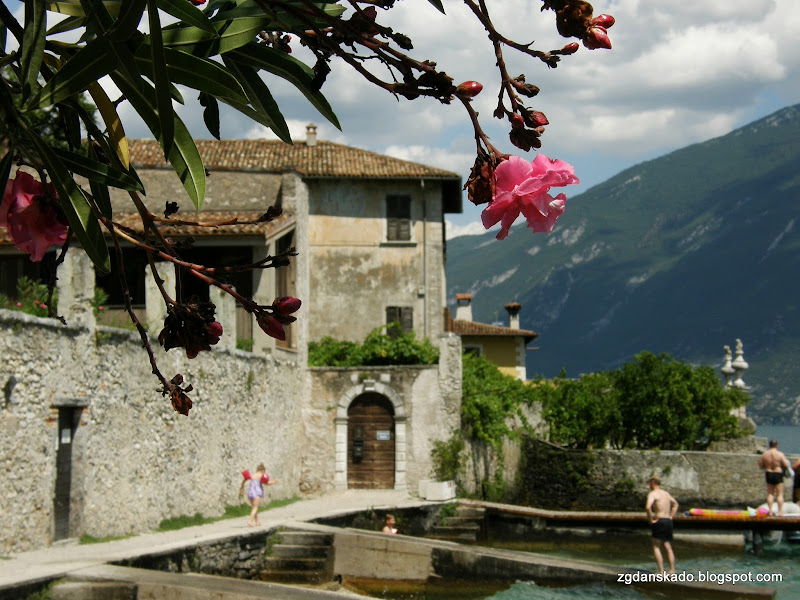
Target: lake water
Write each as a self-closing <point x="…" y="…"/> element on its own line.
<point x="788" y="436"/>
<point x="781" y="561"/>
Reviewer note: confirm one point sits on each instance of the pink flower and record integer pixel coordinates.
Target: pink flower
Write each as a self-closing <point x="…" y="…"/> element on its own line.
<point x="197" y="2"/>
<point x="32" y="217"/>
<point x="522" y="187"/>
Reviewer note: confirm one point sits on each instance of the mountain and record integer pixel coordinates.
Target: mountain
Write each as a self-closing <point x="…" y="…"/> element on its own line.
<point x="681" y="254"/>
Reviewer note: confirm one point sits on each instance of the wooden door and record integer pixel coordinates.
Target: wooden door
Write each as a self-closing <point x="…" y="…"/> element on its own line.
<point x="370" y="443"/>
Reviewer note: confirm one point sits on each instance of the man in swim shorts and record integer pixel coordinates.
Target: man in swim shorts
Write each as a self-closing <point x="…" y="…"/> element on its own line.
<point x="661" y="507"/>
<point x="773" y="461"/>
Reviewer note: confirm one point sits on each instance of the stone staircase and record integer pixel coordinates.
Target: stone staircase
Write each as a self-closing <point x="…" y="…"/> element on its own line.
<point x="300" y="557"/>
<point x="466" y="526"/>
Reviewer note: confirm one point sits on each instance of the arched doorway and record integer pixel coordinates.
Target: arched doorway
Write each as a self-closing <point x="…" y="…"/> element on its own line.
<point x="370" y="442"/>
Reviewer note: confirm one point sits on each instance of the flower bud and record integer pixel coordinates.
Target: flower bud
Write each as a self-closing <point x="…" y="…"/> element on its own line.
<point x="271" y="326"/>
<point x="536" y="119"/>
<point x="469" y="89"/>
<point x="597" y="37"/>
<point x="286" y="305"/>
<point x="517" y="122"/>
<point x="603" y="21"/>
<point x="570" y="48"/>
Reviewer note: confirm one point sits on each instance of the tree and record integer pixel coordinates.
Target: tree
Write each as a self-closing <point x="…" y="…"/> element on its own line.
<point x="653" y="401"/>
<point x="219" y="49"/>
<point x="582" y="413"/>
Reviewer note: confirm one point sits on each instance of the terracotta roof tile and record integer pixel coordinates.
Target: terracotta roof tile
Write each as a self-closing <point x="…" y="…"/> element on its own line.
<point x="132" y="221"/>
<point x="325" y="159"/>
<point x="462" y="328"/>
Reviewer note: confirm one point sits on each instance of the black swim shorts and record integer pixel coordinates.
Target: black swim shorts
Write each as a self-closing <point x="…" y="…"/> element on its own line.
<point x="662" y="530"/>
<point x="774" y="478"/>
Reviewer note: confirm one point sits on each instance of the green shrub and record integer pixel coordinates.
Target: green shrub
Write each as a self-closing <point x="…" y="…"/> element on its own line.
<point x="383" y="346"/>
<point x="448" y="458"/>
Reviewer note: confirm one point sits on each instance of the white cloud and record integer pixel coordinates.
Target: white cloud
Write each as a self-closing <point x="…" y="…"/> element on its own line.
<point x="453" y="231"/>
<point x="679" y="72"/>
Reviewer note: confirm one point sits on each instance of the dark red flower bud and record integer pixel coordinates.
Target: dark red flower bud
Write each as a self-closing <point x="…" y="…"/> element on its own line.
<point x="271" y="326"/>
<point x="286" y="305"/>
<point x="603" y="21"/>
<point x="517" y="121"/>
<point x="469" y="89"/>
<point x="597" y="37"/>
<point x="197" y="2"/>
<point x="536" y="119"/>
<point x="570" y="48"/>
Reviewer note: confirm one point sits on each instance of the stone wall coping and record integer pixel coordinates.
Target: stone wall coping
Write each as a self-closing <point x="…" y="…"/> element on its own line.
<point x="17" y="316"/>
<point x="375" y="368"/>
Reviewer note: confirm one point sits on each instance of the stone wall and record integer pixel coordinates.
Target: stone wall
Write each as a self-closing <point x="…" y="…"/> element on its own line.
<point x="617" y="480"/>
<point x="427" y="404"/>
<point x="135" y="461"/>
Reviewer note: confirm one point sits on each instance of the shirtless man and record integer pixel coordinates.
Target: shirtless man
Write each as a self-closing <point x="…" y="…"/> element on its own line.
<point x="773" y="461"/>
<point x="661" y="507"/>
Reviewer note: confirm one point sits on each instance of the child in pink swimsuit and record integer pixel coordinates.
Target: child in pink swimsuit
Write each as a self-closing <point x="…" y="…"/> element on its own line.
<point x="255" y="491"/>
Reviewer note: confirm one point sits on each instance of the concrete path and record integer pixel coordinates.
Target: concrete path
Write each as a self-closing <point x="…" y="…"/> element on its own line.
<point x="65" y="557"/>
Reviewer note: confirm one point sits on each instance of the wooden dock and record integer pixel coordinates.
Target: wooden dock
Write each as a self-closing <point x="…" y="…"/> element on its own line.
<point x="562" y="518"/>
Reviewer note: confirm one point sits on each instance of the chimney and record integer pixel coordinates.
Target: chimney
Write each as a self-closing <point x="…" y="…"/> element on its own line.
<point x="464" y="307"/>
<point x="311" y="135"/>
<point x="513" y="314"/>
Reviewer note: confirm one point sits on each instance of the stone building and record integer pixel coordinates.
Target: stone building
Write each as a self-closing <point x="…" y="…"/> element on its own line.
<point x="504" y="346"/>
<point x="88" y="444"/>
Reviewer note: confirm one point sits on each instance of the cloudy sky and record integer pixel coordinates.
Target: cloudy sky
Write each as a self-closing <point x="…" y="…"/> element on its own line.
<point x="679" y="72"/>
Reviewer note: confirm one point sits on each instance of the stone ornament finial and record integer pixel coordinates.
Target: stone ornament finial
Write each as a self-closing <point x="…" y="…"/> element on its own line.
<point x="739" y="365"/>
<point x="727" y="369"/>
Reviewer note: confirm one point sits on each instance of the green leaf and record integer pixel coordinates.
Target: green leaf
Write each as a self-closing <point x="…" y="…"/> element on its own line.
<point x="438" y="5"/>
<point x="68" y="24"/>
<point x="81" y="219"/>
<point x="84" y="68"/>
<point x="183" y="156"/>
<point x="5" y="168"/>
<point x="281" y="19"/>
<point x="289" y="68"/>
<point x="261" y="99"/>
<point x="191" y="15"/>
<point x="230" y="35"/>
<point x="96" y="171"/>
<point x="100" y="192"/>
<point x="211" y="113"/>
<point x="166" y="116"/>
<point x="32" y="49"/>
<point x="192" y="71"/>
<point x="127" y="23"/>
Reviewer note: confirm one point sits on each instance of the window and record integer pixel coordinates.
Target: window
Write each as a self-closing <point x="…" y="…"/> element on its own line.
<point x="398" y="218"/>
<point x="400" y="314"/>
<point x="472" y="350"/>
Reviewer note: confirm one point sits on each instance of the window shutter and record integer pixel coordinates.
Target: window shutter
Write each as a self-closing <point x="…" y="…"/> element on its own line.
<point x="398" y="218"/>
<point x="392" y="315"/>
<point x="407" y="318"/>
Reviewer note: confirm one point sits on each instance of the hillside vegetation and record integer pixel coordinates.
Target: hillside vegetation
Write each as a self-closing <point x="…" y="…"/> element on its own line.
<point x="682" y="254"/>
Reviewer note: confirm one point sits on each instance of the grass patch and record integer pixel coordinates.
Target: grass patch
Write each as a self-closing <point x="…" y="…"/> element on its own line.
<point x="90" y="539"/>
<point x="231" y="512"/>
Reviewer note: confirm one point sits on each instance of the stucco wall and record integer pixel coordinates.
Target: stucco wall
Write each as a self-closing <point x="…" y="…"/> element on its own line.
<point x="348" y="251"/>
<point x="135" y="461"/>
